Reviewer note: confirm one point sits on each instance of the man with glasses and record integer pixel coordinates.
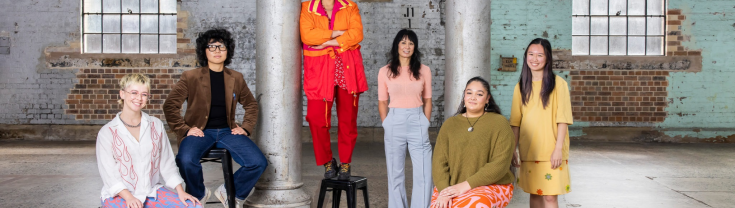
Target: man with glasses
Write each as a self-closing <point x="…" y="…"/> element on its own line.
<point x="212" y="93"/>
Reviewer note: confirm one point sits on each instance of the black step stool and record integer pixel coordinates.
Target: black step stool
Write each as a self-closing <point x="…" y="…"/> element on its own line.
<point x="223" y="156"/>
<point x="351" y="186"/>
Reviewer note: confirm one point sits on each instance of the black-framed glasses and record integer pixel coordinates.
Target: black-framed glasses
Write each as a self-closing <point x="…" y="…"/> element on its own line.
<point x="213" y="48"/>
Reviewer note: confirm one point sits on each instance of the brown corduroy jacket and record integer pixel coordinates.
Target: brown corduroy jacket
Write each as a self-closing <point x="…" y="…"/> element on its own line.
<point x="195" y="89"/>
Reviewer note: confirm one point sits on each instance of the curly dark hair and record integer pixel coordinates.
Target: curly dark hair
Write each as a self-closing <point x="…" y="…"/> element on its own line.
<point x="212" y="36"/>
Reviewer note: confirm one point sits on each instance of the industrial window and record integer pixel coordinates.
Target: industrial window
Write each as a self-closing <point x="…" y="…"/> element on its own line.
<point x="129" y="26"/>
<point x="618" y="27"/>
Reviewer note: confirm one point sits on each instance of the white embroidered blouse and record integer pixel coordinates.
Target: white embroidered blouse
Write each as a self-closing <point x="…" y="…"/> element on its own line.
<point x="141" y="167"/>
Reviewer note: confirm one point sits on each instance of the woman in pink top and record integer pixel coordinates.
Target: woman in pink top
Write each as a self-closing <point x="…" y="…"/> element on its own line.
<point x="407" y="84"/>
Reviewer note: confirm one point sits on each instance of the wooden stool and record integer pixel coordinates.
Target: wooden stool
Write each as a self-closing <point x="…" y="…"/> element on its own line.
<point x="351" y="186"/>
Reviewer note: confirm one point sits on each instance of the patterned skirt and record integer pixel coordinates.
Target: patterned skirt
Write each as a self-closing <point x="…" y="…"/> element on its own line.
<point x="537" y="177"/>
<point x="164" y="199"/>
<point x="492" y="196"/>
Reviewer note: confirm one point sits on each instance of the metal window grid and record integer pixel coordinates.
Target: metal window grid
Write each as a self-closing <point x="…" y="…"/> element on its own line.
<point x="140" y="34"/>
<point x="645" y="16"/>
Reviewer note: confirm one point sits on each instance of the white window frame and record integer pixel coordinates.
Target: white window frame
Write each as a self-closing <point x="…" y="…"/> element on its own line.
<point x="155" y="36"/>
<point x="583" y="29"/>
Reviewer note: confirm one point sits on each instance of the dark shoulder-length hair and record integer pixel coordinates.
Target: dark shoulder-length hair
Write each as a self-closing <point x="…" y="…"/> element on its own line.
<point x="491" y="106"/>
<point x="394" y="62"/>
<point x="549" y="79"/>
<point x="211" y="36"/>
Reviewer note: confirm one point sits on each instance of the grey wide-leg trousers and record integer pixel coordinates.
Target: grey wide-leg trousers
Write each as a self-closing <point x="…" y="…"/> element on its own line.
<point x="408" y="128"/>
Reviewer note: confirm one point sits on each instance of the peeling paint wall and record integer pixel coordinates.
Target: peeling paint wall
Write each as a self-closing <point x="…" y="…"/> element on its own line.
<point x="700" y="101"/>
<point x="514" y="25"/>
<point x="43" y="69"/>
<point x="700" y="96"/>
<point x="29" y="92"/>
<point x="704" y="99"/>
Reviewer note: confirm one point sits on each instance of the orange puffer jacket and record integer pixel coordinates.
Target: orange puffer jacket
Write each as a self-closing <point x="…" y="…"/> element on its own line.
<point x="319" y="65"/>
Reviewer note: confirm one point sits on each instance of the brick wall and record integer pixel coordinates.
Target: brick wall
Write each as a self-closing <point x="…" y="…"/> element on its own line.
<point x="35" y="86"/>
<point x="619" y="96"/>
<point x="381" y="21"/>
<point x="674" y="37"/>
<point x="30" y="93"/>
<point x="38" y="79"/>
<point x="95" y="96"/>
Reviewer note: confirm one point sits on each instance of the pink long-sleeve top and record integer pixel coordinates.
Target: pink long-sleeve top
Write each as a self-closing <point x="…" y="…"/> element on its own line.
<point x="404" y="91"/>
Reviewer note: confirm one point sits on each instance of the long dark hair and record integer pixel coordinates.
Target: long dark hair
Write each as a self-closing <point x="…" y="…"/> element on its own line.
<point x="215" y="35"/>
<point x="394" y="61"/>
<point x="491" y="106"/>
<point x="549" y="80"/>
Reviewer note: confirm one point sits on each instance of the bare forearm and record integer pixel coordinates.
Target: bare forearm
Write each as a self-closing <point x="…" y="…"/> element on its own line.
<point x="383" y="109"/>
<point x="125" y="194"/>
<point x="517" y="134"/>
<point x="561" y="135"/>
<point x="427" y="108"/>
<point x="179" y="189"/>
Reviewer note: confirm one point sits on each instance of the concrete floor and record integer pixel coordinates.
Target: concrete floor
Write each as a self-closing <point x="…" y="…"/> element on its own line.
<point x="64" y="174"/>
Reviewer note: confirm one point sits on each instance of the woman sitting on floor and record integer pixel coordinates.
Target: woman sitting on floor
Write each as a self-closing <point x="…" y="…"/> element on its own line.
<point x="134" y="155"/>
<point x="472" y="156"/>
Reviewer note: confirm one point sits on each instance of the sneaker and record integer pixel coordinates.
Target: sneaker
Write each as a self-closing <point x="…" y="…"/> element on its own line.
<point x="221" y="194"/>
<point x="207" y="194"/>
<point x="344" y="172"/>
<point x="330" y="169"/>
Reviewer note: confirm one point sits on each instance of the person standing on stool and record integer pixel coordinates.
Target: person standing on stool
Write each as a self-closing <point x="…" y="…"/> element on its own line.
<point x="331" y="31"/>
<point x="407" y="83"/>
<point x="212" y="93"/>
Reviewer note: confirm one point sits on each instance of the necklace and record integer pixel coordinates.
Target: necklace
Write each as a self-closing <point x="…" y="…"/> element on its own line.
<point x="473" y="124"/>
<point x="131" y="126"/>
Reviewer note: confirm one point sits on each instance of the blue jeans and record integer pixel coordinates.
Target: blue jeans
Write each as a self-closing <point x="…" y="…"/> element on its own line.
<point x="242" y="149"/>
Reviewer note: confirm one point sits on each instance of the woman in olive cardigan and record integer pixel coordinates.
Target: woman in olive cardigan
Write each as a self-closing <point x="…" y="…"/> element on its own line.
<point x="472" y="156"/>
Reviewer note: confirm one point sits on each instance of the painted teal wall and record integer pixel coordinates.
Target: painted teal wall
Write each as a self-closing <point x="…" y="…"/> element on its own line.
<point x="514" y="25"/>
<point x="703" y="99"/>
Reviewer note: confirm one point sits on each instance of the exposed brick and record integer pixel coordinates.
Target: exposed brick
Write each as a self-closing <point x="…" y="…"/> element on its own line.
<point x="99" y="96"/>
<point x="680" y="53"/>
<point x="623" y="100"/>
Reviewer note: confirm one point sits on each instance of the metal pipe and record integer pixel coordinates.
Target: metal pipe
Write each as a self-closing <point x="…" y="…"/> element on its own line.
<point x="278" y="89"/>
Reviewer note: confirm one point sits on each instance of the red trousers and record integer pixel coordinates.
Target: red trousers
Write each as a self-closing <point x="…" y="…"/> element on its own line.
<point x="318" y="114"/>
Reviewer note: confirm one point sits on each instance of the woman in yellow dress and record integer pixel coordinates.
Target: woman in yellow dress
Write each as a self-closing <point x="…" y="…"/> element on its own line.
<point x="540" y="113"/>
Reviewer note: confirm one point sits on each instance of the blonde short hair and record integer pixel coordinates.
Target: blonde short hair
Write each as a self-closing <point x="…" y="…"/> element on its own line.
<point x="131" y="79"/>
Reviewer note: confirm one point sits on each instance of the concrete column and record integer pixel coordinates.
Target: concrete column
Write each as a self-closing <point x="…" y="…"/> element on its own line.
<point x="467" y="46"/>
<point x="278" y="89"/>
